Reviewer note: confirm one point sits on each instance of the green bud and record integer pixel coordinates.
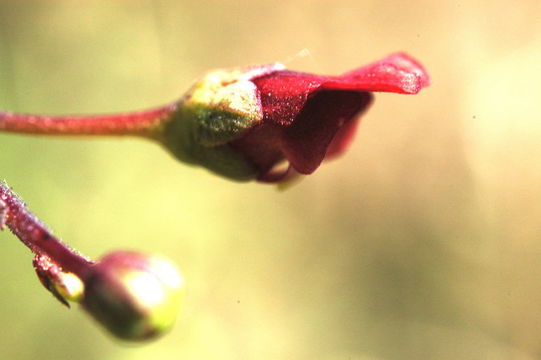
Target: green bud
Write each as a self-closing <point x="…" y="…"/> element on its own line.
<point x="135" y="296"/>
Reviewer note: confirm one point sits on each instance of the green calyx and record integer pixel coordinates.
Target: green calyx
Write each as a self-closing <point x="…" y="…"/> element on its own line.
<point x="218" y="109"/>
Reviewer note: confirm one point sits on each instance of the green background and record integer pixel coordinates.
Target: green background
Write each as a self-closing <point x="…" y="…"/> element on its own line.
<point x="423" y="242"/>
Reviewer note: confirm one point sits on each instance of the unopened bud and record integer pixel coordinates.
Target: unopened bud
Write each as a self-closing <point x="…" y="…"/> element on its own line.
<point x="135" y="296"/>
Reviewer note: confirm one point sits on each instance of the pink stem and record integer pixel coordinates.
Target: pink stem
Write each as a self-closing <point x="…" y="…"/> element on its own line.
<point x="35" y="235"/>
<point x="144" y="123"/>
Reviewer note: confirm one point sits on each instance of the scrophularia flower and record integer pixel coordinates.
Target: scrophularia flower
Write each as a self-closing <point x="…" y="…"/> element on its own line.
<point x="243" y="123"/>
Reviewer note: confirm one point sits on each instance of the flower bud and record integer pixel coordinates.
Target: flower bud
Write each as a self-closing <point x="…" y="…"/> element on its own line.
<point x="135" y="296"/>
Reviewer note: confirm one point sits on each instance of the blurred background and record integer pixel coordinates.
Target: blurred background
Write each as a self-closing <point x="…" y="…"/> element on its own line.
<point x="423" y="242"/>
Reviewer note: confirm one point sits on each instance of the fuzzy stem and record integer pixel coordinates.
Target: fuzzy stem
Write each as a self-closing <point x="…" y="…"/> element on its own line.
<point x="35" y="235"/>
<point x="145" y="123"/>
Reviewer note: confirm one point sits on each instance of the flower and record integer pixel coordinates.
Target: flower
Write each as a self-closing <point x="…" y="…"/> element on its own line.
<point x="244" y="123"/>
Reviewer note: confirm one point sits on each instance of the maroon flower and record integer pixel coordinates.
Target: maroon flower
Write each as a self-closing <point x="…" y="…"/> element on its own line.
<point x="244" y="123"/>
<point x="308" y="118"/>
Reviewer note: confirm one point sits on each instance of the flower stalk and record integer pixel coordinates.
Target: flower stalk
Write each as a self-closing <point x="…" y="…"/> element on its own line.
<point x="36" y="236"/>
<point x="139" y="123"/>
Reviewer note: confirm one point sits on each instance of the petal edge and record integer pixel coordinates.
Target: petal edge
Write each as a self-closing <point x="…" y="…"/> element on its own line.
<point x="397" y="73"/>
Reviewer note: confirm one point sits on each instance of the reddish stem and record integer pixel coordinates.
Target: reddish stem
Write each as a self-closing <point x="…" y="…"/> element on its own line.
<point x="35" y="235"/>
<point x="144" y="123"/>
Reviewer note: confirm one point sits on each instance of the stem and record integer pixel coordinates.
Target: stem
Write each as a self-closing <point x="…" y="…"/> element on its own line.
<point x="35" y="235"/>
<point x="145" y="123"/>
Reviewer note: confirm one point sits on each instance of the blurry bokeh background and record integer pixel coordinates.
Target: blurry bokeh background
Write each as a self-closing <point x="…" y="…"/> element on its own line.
<point x="423" y="242"/>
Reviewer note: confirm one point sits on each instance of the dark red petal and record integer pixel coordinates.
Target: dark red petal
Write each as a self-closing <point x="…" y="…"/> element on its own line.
<point x="343" y="138"/>
<point x="398" y="73"/>
<point x="283" y="94"/>
<point x="307" y="118"/>
<point x="306" y="140"/>
<point x="261" y="147"/>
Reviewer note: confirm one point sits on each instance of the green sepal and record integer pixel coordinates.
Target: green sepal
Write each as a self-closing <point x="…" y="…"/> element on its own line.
<point x="220" y="108"/>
